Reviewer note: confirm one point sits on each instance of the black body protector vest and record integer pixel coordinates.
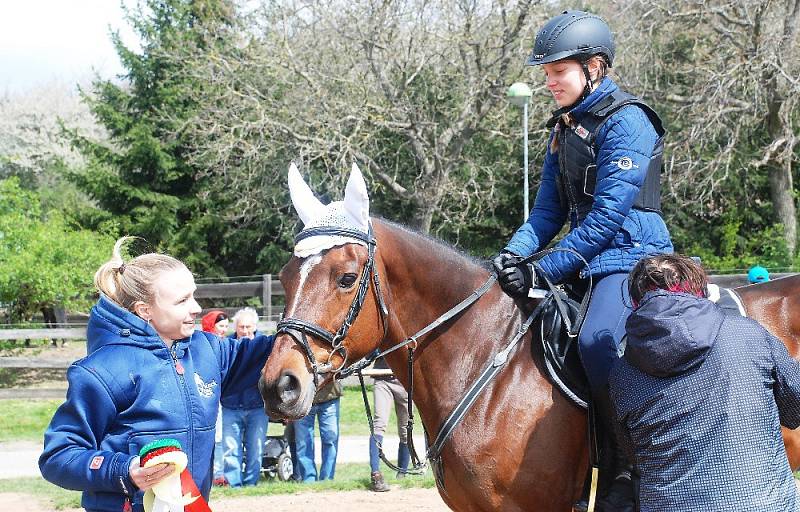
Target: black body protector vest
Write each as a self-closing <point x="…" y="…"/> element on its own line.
<point x="577" y="157"/>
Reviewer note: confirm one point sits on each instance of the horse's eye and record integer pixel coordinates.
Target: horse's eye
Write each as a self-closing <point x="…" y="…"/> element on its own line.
<point x="347" y="280"/>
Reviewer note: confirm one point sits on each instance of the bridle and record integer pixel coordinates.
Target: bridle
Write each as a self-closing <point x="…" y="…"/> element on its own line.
<point x="298" y="329"/>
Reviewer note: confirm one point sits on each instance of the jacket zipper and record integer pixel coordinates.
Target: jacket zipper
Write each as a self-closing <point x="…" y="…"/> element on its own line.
<point x="179" y="370"/>
<point x="178" y="366"/>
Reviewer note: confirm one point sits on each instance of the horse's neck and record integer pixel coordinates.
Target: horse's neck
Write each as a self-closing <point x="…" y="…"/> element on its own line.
<point x="425" y="280"/>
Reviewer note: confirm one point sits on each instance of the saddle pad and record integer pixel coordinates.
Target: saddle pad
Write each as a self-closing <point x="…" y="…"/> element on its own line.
<point x="726" y="299"/>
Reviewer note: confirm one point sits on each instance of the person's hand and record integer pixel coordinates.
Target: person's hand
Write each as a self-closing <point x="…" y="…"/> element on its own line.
<point x="145" y="478"/>
<point x="514" y="279"/>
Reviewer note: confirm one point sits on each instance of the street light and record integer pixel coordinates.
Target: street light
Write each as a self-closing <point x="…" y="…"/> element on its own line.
<point x="519" y="94"/>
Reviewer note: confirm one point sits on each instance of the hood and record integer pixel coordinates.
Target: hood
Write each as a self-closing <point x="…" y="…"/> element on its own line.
<point x="671" y="333"/>
<point x="111" y="324"/>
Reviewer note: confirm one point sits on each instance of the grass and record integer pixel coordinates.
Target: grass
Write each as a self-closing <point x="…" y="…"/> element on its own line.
<point x="26" y="420"/>
<point x="349" y="477"/>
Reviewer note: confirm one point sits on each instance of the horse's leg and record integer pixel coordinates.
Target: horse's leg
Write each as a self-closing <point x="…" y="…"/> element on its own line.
<point x="530" y="457"/>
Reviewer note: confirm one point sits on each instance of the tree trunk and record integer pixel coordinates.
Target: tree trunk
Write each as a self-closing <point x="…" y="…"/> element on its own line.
<point x="422" y="217"/>
<point x="780" y="184"/>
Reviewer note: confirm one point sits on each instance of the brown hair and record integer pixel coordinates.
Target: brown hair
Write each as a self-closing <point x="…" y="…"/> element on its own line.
<point x="671" y="272"/>
<point x="602" y="67"/>
<point x="127" y="283"/>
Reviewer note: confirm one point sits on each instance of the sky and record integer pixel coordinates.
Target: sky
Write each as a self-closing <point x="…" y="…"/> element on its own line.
<point x="64" y="41"/>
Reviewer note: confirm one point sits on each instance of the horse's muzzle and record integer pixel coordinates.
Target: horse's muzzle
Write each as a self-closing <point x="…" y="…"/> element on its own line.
<point x="284" y="398"/>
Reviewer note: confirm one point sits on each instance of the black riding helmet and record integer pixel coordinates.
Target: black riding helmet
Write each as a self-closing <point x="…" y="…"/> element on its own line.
<point x="572" y="35"/>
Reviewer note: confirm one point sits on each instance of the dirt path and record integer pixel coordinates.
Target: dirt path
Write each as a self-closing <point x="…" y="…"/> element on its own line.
<point x="396" y="500"/>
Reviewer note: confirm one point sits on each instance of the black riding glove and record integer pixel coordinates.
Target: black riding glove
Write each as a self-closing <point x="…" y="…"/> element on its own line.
<point x="514" y="279"/>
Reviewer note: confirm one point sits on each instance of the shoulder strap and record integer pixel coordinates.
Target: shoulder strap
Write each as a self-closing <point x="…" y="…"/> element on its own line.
<point x="616" y="101"/>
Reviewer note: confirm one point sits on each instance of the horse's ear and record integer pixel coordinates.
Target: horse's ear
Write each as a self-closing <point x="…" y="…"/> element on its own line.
<point x="307" y="206"/>
<point x="356" y="199"/>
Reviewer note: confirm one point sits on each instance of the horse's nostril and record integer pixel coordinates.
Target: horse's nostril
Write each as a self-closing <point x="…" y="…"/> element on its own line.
<point x="288" y="387"/>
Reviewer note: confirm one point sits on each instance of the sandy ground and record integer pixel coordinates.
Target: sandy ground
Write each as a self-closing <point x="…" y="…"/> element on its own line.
<point x="396" y="500"/>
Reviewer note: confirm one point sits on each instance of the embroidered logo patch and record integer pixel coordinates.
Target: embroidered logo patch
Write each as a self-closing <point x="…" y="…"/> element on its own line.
<point x="205" y="389"/>
<point x="625" y="163"/>
<point x="96" y="462"/>
<point x="581" y="132"/>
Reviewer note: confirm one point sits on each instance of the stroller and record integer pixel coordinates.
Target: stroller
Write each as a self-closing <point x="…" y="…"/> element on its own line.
<point x="277" y="459"/>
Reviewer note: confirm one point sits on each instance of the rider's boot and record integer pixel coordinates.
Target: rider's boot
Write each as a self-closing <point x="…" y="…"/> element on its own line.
<point x="618" y="494"/>
<point x="403" y="458"/>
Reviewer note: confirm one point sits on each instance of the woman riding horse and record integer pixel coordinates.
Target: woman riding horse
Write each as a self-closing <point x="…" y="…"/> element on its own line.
<point x="602" y="173"/>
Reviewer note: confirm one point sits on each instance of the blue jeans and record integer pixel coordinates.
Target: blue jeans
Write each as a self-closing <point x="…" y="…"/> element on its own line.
<point x="243" y="428"/>
<point x="328" y="414"/>
<point x="604" y="328"/>
<point x="218" y="447"/>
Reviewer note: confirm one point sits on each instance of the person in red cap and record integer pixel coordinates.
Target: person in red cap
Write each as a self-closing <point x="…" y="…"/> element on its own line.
<point x="215" y="322"/>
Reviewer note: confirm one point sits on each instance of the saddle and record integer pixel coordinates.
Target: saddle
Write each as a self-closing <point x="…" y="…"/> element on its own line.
<point x="561" y="358"/>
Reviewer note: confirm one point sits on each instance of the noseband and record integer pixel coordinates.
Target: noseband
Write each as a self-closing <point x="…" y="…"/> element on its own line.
<point x="298" y="329"/>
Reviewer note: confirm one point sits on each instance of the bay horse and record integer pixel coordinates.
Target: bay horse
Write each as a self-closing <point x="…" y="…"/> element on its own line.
<point x="522" y="445"/>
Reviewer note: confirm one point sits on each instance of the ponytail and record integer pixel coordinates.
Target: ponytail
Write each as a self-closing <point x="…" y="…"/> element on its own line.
<point x="127" y="283"/>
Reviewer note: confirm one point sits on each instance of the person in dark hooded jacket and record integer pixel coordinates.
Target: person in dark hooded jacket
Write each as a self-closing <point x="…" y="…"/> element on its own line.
<point x="148" y="376"/>
<point x="700" y="396"/>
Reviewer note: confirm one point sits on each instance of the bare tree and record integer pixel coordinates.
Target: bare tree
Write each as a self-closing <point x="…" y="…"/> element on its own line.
<point x="402" y="86"/>
<point x="728" y="72"/>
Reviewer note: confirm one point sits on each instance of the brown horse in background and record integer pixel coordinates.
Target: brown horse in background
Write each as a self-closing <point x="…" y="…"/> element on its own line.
<point x="522" y="446"/>
<point x="776" y="305"/>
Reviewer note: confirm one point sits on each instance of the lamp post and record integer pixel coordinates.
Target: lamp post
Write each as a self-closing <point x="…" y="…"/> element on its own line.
<point x="519" y="94"/>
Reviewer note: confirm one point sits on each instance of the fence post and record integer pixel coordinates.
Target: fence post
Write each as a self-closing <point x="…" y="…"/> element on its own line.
<point x="266" y="296"/>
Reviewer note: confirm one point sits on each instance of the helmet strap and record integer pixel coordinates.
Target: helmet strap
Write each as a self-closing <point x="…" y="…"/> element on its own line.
<point x="588" y="87"/>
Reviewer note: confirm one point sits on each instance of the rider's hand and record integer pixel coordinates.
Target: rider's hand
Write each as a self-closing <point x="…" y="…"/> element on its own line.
<point x="145" y="478"/>
<point x="514" y="279"/>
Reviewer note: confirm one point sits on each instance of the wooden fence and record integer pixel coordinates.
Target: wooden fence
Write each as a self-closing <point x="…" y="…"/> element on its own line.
<point x="267" y="288"/>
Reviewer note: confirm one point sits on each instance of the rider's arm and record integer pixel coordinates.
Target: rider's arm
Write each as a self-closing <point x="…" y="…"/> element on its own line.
<point x="546" y="217"/>
<point x="626" y="143"/>
<point x="786" y="373"/>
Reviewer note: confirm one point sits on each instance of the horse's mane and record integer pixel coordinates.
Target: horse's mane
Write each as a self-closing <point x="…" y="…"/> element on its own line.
<point x="445" y="249"/>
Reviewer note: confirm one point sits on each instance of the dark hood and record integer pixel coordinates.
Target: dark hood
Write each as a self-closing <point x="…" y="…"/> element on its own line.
<point x="111" y="324"/>
<point x="671" y="333"/>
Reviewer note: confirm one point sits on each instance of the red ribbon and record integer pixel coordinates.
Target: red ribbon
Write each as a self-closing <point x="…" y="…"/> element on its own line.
<point x="189" y="487"/>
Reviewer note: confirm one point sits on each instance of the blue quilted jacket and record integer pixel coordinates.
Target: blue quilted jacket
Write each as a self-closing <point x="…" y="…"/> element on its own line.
<point x="613" y="236"/>
<point x="700" y="397"/>
<point x="128" y="392"/>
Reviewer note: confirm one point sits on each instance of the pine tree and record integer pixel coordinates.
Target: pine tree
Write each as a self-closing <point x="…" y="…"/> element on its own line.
<point x="143" y="178"/>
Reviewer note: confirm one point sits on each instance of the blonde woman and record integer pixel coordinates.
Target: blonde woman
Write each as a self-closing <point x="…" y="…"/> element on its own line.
<point x="148" y="375"/>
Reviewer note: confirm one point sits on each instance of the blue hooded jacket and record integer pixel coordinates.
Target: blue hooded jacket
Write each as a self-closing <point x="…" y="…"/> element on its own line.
<point x="700" y="397"/>
<point x="613" y="236"/>
<point x="128" y="392"/>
